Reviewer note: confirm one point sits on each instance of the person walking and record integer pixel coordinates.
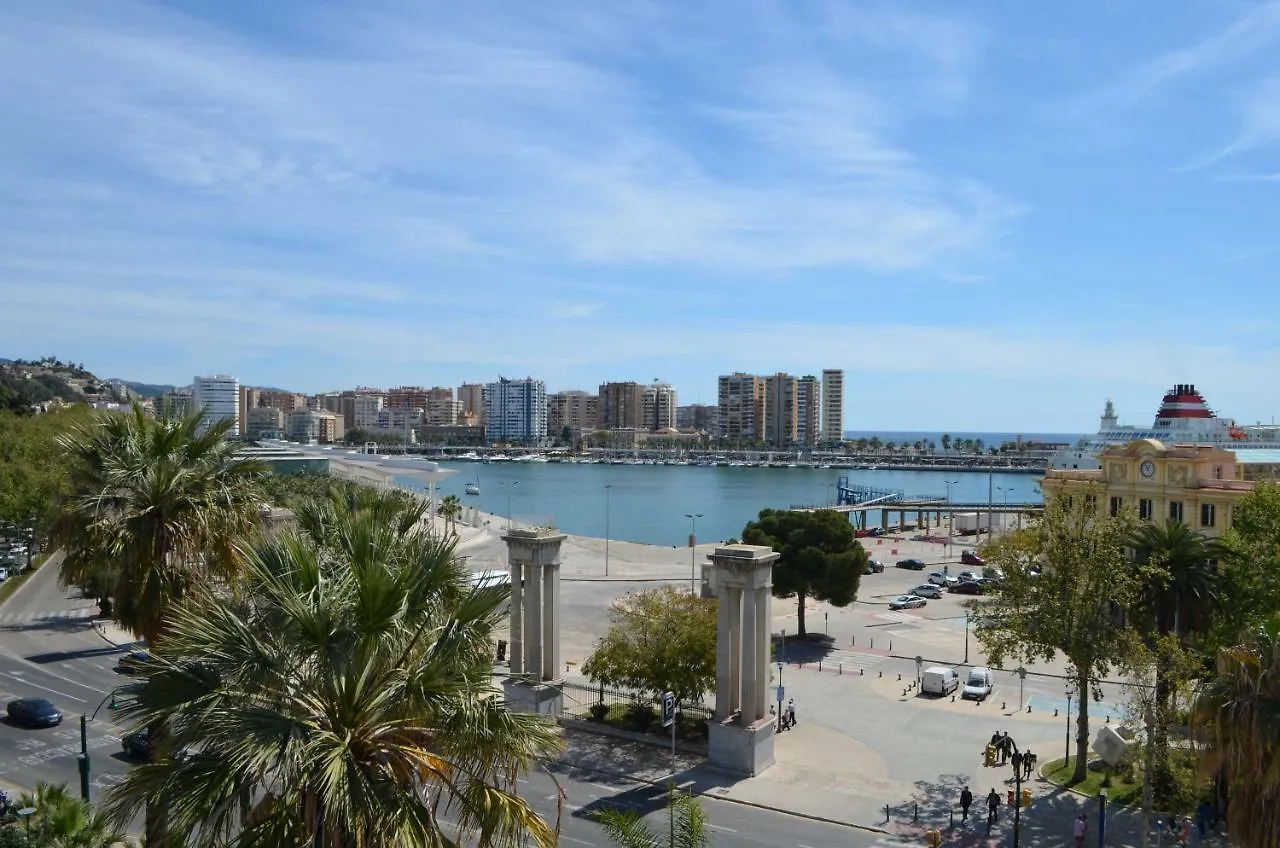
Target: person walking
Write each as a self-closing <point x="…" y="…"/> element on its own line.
<point x="1017" y="764"/>
<point x="1005" y="745"/>
<point x="966" y="799"/>
<point x="791" y="712"/>
<point x="993" y="807"/>
<point x="1081" y="828"/>
<point x="1028" y="761"/>
<point x="1184" y="832"/>
<point x="1203" y="813"/>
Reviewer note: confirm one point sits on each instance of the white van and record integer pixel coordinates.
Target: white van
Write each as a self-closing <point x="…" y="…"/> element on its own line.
<point x="979" y="685"/>
<point x="939" y="681"/>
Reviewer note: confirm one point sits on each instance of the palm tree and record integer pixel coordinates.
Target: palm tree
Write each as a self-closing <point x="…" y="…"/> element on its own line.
<point x="157" y="511"/>
<point x="1181" y="583"/>
<point x="1239" y="713"/>
<point x="62" y="820"/>
<point x="450" y="508"/>
<point x="946" y="442"/>
<point x="344" y="697"/>
<point x="686" y="825"/>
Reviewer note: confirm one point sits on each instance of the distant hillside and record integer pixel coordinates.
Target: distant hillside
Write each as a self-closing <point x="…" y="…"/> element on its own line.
<point x="24" y="384"/>
<point x="146" y="390"/>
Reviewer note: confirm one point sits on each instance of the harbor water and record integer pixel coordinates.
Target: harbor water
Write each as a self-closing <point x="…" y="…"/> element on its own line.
<point x="649" y="503"/>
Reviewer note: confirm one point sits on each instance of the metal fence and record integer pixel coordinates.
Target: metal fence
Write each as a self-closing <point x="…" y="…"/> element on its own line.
<point x="634" y="711"/>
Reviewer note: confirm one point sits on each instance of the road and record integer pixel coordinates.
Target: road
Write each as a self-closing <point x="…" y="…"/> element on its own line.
<point x="50" y="649"/>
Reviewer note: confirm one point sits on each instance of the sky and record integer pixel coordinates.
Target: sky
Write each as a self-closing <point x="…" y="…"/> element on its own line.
<point x="991" y="215"/>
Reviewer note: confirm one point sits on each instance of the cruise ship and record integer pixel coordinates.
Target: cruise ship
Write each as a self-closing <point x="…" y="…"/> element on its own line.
<point x="1184" y="418"/>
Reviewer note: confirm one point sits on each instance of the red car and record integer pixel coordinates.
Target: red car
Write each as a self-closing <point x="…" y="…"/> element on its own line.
<point x="971" y="558"/>
<point x="967" y="587"/>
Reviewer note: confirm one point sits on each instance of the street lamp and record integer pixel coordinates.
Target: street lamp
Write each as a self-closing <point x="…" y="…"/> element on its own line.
<point x="1071" y="691"/>
<point x="951" y="516"/>
<point x="1004" y="492"/>
<point x="968" y="619"/>
<point x="509" y="485"/>
<point x="608" y="489"/>
<point x="781" y="690"/>
<point x="693" y="552"/>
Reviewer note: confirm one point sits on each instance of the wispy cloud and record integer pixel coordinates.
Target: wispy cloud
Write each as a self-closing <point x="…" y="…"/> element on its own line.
<point x="576" y="310"/>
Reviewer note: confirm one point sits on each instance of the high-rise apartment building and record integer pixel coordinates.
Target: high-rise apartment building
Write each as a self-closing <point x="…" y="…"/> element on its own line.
<point x="832" y="406"/>
<point x="471" y="397"/>
<point x="407" y="397"/>
<point x="658" y="409"/>
<point x="283" y="401"/>
<point x="263" y="422"/>
<point x="516" y="410"/>
<point x="622" y="406"/>
<point x="441" y="409"/>
<point x="780" y="413"/>
<point x="174" y="404"/>
<point x="248" y="400"/>
<point x="808" y="411"/>
<point x="398" y="419"/>
<point x="577" y="410"/>
<point x="365" y="411"/>
<point x="698" y="416"/>
<point x="219" y="397"/>
<point x="741" y="413"/>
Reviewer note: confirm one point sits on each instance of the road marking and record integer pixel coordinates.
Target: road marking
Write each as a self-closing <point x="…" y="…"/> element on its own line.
<point x="45" y="688"/>
<point x="572" y="839"/>
<point x="802" y="845"/>
<point x="50" y="615"/>
<point x="601" y="786"/>
<point x="721" y="827"/>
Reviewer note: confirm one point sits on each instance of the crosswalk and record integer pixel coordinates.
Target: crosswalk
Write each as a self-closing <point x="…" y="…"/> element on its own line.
<point x="849" y="659"/>
<point x="10" y="618"/>
<point x="898" y="617"/>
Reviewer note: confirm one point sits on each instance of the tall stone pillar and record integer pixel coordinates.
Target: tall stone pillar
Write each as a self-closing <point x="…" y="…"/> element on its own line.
<point x="741" y="734"/>
<point x="534" y="557"/>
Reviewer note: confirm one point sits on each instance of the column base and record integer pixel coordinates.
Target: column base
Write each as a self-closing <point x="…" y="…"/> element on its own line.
<point x="546" y="698"/>
<point x="741" y="749"/>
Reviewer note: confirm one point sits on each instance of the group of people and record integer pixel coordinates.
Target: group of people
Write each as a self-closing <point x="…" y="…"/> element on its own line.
<point x="788" y="719"/>
<point x="1023" y="761"/>
<point x="993" y="805"/>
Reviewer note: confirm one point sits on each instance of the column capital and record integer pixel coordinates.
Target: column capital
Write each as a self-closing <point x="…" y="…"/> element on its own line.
<point x="744" y="566"/>
<point x="536" y="546"/>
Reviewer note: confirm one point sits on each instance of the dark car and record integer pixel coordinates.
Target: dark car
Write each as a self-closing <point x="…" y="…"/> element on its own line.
<point x="971" y="558"/>
<point x="137" y="746"/>
<point x="874" y="566"/>
<point x="133" y="662"/>
<point x="34" y="712"/>
<point x="967" y="587"/>
<point x="913" y="564"/>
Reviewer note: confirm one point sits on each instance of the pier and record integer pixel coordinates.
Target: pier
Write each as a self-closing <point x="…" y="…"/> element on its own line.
<point x="927" y="510"/>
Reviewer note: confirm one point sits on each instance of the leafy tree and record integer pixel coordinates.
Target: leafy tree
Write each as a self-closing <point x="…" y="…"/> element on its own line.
<point x="343" y="698"/>
<point x="686" y="825"/>
<point x="162" y="508"/>
<point x="946" y="442"/>
<point x="1180" y="583"/>
<point x="1250" y="566"/>
<point x="1238" y="713"/>
<point x="1066" y="578"/>
<point x="33" y="470"/>
<point x="660" y="641"/>
<point x="62" y="820"/>
<point x="818" y="556"/>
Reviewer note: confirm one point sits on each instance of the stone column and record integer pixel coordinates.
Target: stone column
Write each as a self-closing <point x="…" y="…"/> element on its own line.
<point x="741" y="735"/>
<point x="534" y="556"/>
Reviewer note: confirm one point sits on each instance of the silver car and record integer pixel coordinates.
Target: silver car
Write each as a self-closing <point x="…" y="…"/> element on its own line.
<point x="907" y="602"/>
<point x="927" y="590"/>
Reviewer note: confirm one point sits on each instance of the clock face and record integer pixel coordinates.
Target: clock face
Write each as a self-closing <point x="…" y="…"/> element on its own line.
<point x="1148" y="468"/>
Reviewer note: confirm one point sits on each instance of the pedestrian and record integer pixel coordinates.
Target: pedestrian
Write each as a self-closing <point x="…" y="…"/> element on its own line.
<point x="1028" y="762"/>
<point x="1184" y="832"/>
<point x="1005" y="744"/>
<point x="995" y="739"/>
<point x="993" y="806"/>
<point x="1203" y="813"/>
<point x="1081" y="827"/>
<point x="966" y="798"/>
<point x="1017" y="764"/>
<point x="791" y="712"/>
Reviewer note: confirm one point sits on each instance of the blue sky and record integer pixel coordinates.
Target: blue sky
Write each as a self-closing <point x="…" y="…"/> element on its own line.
<point x="991" y="215"/>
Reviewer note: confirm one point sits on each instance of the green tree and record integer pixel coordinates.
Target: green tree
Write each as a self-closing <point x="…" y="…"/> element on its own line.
<point x="1238" y="714"/>
<point x="1180" y="581"/>
<point x="875" y="443"/>
<point x="662" y="640"/>
<point x="450" y="508"/>
<point x="1250" y="566"/>
<point x="62" y="820"/>
<point x="818" y="556"/>
<point x="343" y="697"/>
<point x="158" y="510"/>
<point x="686" y="825"/>
<point x="1066" y="579"/>
<point x="33" y="470"/>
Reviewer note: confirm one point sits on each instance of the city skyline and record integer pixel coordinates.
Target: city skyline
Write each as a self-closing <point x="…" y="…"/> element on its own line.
<point x="993" y="217"/>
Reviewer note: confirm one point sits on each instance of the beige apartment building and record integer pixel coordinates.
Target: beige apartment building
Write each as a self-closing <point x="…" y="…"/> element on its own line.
<point x="832" y="406"/>
<point x="471" y="400"/>
<point x="742" y="407"/>
<point x="808" y="411"/>
<point x="780" y="412"/>
<point x="577" y="410"/>
<point x="658" y="411"/>
<point x="365" y="411"/>
<point x="441" y="408"/>
<point x="1198" y="485"/>
<point x="622" y="406"/>
<point x="407" y="397"/>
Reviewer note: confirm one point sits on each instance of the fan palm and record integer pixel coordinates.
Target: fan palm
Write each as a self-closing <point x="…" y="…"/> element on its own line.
<point x="1239" y="712"/>
<point x="450" y="508"/>
<point x="686" y="820"/>
<point x="1181" y="582"/>
<point x="343" y="698"/>
<point x="62" y="820"/>
<point x="160" y="506"/>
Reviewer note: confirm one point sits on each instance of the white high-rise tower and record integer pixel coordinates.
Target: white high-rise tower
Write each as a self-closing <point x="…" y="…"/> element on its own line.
<point x="219" y="397"/>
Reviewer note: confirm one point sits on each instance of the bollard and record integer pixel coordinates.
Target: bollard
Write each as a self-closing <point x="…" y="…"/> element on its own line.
<point x="873" y="643"/>
<point x="899" y="678"/>
<point x="841" y="668"/>
<point x="915" y="816"/>
<point x="952" y="814"/>
<point x="1028" y="709"/>
<point x="886" y="812"/>
<point x="819" y="665"/>
<point x="1055" y="712"/>
<point x="1004" y="705"/>
<point x="861" y="672"/>
<point x="953" y="699"/>
<point x="853" y="640"/>
<point x="882" y="672"/>
<point x="891" y="646"/>
<point x="1108" y="719"/>
<point x="904" y="693"/>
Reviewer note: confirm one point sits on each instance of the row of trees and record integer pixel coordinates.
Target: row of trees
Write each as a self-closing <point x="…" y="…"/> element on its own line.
<point x="1161" y="604"/>
<point x="332" y="684"/>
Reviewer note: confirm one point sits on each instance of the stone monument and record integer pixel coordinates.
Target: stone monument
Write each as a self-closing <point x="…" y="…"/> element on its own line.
<point x="741" y="734"/>
<point x="534" y="684"/>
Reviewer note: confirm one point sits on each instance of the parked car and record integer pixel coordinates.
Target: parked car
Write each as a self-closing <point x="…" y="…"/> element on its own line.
<point x="968" y="587"/>
<point x="970" y="575"/>
<point x="907" y="602"/>
<point x="874" y="566"/>
<point x="927" y="590"/>
<point x="137" y="746"/>
<point x="876" y="531"/>
<point x="939" y="680"/>
<point x="913" y="564"/>
<point x="133" y="662"/>
<point x="979" y="685"/>
<point x="34" y="712"/>
<point x="941" y="578"/>
<point x="971" y="558"/>
<point x="992" y="572"/>
<point x="988" y="584"/>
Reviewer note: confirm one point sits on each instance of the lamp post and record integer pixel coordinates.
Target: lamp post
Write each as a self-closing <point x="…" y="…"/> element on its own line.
<point x="781" y="689"/>
<point x="1071" y="691"/>
<point x="693" y="552"/>
<point x="968" y="620"/>
<point x="608" y="489"/>
<point x="1004" y="516"/>
<point x="509" y="485"/>
<point x="951" y="516"/>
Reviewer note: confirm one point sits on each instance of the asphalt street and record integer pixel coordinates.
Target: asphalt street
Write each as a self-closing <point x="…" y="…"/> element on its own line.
<point x="50" y="649"/>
